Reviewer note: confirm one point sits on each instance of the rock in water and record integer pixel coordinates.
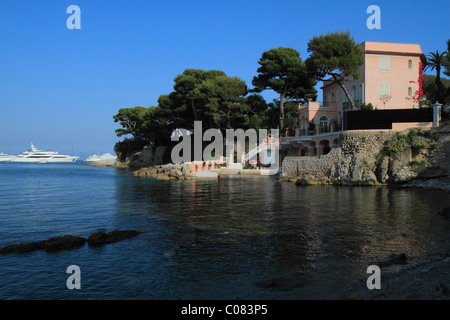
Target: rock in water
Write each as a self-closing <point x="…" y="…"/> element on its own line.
<point x="101" y="238"/>
<point x="395" y="259"/>
<point x="52" y="244"/>
<point x="445" y="212"/>
<point x="63" y="243"/>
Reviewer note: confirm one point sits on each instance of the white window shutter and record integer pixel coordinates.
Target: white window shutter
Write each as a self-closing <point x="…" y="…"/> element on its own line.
<point x="384" y="63"/>
<point x="381" y="89"/>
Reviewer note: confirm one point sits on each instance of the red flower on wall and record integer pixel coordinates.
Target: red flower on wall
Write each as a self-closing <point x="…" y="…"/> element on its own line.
<point x="420" y="92"/>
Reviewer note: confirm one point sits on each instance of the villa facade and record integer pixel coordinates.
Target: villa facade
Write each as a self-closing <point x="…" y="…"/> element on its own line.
<point x="389" y="79"/>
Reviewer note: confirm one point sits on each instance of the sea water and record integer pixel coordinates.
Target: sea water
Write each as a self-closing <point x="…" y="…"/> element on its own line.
<point x="239" y="237"/>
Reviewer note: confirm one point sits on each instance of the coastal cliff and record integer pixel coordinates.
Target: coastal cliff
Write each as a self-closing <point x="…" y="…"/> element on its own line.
<point x="412" y="157"/>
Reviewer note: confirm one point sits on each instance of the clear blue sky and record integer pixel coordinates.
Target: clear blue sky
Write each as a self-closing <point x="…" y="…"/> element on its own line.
<point x="60" y="88"/>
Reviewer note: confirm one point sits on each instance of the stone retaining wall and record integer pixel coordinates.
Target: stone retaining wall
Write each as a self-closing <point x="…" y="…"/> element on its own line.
<point x="359" y="160"/>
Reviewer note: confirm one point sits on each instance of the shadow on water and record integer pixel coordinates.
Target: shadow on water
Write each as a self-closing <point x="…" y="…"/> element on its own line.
<point x="239" y="237"/>
<point x="253" y="237"/>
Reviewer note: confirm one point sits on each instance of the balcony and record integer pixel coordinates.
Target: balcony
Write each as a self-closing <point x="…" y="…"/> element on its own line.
<point x="318" y="130"/>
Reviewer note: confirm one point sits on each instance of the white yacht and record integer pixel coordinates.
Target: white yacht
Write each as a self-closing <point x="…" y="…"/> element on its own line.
<point x="6" y="157"/>
<point x="39" y="156"/>
<point x="95" y="157"/>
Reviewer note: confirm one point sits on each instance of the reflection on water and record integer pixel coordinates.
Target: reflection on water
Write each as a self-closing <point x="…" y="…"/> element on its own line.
<point x="251" y="231"/>
<point x="239" y="237"/>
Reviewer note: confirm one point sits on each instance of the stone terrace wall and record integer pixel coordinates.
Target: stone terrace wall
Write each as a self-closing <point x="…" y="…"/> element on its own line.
<point x="295" y="166"/>
<point x="353" y="148"/>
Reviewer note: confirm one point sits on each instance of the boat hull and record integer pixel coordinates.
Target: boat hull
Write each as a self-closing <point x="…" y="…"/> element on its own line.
<point x="49" y="160"/>
<point x="6" y="159"/>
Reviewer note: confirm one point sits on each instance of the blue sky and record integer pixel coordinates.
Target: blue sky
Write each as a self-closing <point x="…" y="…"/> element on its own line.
<point x="60" y="88"/>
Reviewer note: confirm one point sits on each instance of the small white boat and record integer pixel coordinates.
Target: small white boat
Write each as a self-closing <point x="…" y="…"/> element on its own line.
<point x="95" y="157"/>
<point x="38" y="156"/>
<point x="6" y="157"/>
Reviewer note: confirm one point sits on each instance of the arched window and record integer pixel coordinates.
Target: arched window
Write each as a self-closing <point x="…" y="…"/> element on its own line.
<point x="410" y="64"/>
<point x="323" y="123"/>
<point x="410" y="92"/>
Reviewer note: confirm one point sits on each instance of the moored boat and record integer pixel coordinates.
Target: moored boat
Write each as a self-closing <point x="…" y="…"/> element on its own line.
<point x="38" y="156"/>
<point x="95" y="157"/>
<point x="6" y="157"/>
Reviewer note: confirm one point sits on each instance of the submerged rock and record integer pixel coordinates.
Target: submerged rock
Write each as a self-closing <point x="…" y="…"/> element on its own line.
<point x="432" y="173"/>
<point x="52" y="244"/>
<point x="445" y="212"/>
<point x="70" y="242"/>
<point x="63" y="243"/>
<point x="395" y="259"/>
<point x="101" y="238"/>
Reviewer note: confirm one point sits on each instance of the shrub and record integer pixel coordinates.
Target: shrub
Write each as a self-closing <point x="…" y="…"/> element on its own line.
<point x="394" y="146"/>
<point x="420" y="133"/>
<point x="418" y="167"/>
<point x="418" y="142"/>
<point x="364" y="106"/>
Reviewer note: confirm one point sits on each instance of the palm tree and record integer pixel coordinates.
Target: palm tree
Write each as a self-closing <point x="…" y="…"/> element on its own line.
<point x="446" y="62"/>
<point x="435" y="61"/>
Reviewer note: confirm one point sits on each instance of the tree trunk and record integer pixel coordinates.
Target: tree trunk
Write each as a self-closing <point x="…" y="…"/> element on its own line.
<point x="228" y="117"/>
<point x="347" y="94"/>
<point x="194" y="110"/>
<point x="281" y="112"/>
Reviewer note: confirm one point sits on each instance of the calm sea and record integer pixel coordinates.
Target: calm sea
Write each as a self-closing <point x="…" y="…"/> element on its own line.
<point x="239" y="237"/>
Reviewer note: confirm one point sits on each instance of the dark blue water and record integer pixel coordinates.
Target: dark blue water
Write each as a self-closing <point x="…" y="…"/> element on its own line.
<point x="241" y="237"/>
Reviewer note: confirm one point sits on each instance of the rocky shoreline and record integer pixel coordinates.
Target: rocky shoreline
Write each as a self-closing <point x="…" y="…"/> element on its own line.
<point x="166" y="172"/>
<point x="428" y="280"/>
<point x="377" y="158"/>
<point x="405" y="278"/>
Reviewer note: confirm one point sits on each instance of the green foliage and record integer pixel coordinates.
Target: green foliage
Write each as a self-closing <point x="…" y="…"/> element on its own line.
<point x="436" y="90"/>
<point x="131" y="120"/>
<point x="127" y="147"/>
<point x="416" y="139"/>
<point x="418" y="142"/>
<point x="336" y="55"/>
<point x="223" y="99"/>
<point x="427" y="134"/>
<point x="364" y="106"/>
<point x="435" y="60"/>
<point x="394" y="146"/>
<point x="210" y="96"/>
<point x="446" y="61"/>
<point x="420" y="166"/>
<point x="283" y="71"/>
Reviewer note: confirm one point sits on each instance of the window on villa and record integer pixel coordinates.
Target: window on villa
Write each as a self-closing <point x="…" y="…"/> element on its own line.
<point x="323" y="122"/>
<point x="384" y="63"/>
<point x="384" y="89"/>
<point x="410" y="64"/>
<point x="410" y="92"/>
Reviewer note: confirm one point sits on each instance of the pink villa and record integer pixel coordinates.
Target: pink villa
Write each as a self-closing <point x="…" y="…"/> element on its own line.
<point x="389" y="79"/>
